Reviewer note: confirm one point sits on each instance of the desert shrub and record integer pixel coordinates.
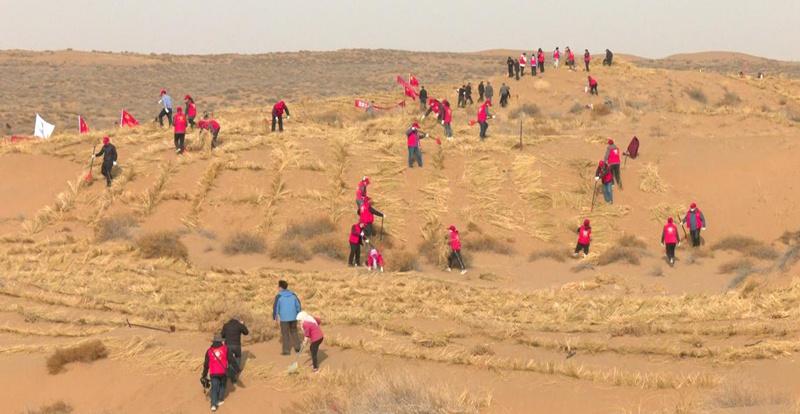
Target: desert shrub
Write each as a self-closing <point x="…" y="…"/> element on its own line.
<point x="85" y="352"/>
<point x="243" y="242"/>
<point x="736" y="265"/>
<point x="330" y="246"/>
<point x="601" y="110"/>
<point x="431" y="339"/>
<point x="115" y="227"/>
<point x="729" y="99"/>
<point x="737" y="394"/>
<point x="697" y="254"/>
<point x="789" y="258"/>
<point x="160" y="244"/>
<point x="482" y="350"/>
<point x="488" y="243"/>
<point x="556" y="254"/>
<point x="629" y="240"/>
<point x="576" y="108"/>
<point x="697" y="94"/>
<point x="489" y="276"/>
<point x="525" y="110"/>
<point x="581" y="267"/>
<point x="746" y="245"/>
<point x="790" y="237"/>
<point x="310" y="228"/>
<point x="619" y="254"/>
<point x="395" y="393"/>
<point x="656" y="271"/>
<point x="58" y="407"/>
<point x="403" y="261"/>
<point x="289" y="250"/>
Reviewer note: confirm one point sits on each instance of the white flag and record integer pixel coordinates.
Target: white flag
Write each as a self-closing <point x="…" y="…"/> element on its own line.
<point x="42" y="129"/>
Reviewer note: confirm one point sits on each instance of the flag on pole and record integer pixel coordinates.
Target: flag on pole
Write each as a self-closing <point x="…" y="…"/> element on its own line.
<point x="412" y="80"/>
<point x="42" y="129"/>
<point x="408" y="90"/>
<point x="127" y="120"/>
<point x="82" y="127"/>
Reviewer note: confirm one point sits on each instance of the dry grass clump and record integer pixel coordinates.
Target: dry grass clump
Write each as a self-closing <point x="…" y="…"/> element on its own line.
<point x="58" y="407"/>
<point x="431" y="339"/>
<point x="553" y="253"/>
<point x="403" y="261"/>
<point x="619" y="254"/>
<point x="651" y="181"/>
<point x="395" y="393"/>
<point x="629" y="240"/>
<point x="789" y="258"/>
<point x="697" y="94"/>
<point x="576" y="108"/>
<point x="310" y="228"/>
<point x="244" y="242"/>
<point x="487" y="243"/>
<point x="162" y="244"/>
<point x="601" y="110"/>
<point x="790" y="237"/>
<point x="748" y="246"/>
<point x="730" y="99"/>
<point x="525" y="110"/>
<point x="699" y="253"/>
<point x="291" y="250"/>
<point x="330" y="246"/>
<point x="736" y="265"/>
<point x="301" y="239"/>
<point x="738" y="394"/>
<point x="115" y="228"/>
<point x="85" y="352"/>
<point x="482" y="350"/>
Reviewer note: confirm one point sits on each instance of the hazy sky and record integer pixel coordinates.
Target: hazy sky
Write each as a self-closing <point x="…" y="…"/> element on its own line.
<point x="650" y="28"/>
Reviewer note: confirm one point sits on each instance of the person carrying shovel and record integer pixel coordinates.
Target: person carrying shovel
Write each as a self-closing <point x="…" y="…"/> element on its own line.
<point x="413" y="137"/>
<point x="109" y="153"/>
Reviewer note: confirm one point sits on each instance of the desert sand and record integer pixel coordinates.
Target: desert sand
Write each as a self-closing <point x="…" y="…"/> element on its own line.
<point x="529" y="329"/>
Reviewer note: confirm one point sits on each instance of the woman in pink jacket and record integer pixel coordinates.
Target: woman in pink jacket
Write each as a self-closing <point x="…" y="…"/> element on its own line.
<point x="312" y="333"/>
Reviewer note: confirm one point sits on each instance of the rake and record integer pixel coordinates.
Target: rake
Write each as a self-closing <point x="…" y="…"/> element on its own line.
<point x="91" y="165"/>
<point x="293" y="367"/>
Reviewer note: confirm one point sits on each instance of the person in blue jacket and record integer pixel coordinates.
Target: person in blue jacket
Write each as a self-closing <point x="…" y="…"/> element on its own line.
<point x="284" y="312"/>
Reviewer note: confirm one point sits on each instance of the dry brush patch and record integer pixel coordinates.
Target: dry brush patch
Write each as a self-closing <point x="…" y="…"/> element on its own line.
<point x="244" y="242"/>
<point x="58" y="407"/>
<point x="162" y="244"/>
<point x="86" y="352"/>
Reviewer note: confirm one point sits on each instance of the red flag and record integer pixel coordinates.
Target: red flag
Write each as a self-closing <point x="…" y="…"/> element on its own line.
<point x="412" y="80"/>
<point x="362" y="104"/>
<point x="82" y="128"/>
<point x="409" y="91"/>
<point x="127" y="120"/>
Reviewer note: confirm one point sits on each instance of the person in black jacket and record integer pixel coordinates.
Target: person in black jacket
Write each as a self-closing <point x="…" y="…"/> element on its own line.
<point x="510" y="63"/>
<point x="109" y="153"/>
<point x="608" y="59"/>
<point x="423" y="98"/>
<point x="232" y="332"/>
<point x="481" y="91"/>
<point x="468" y="94"/>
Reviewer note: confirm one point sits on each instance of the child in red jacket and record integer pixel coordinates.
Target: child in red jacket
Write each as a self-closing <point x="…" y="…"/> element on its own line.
<point x="374" y="260"/>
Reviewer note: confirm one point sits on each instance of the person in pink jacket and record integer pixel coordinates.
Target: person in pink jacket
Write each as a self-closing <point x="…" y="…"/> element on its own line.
<point x="313" y="334"/>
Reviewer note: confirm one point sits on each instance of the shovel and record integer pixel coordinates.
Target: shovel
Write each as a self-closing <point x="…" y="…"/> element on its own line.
<point x="170" y="330"/>
<point x="293" y="368"/>
<point x="91" y="165"/>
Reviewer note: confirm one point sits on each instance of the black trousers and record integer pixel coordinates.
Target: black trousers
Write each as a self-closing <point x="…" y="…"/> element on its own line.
<point x="369" y="230"/>
<point x="236" y="350"/>
<point x="593" y="90"/>
<point x="533" y="70"/>
<point x="164" y="113"/>
<point x="581" y="246"/>
<point x="455" y="254"/>
<point x="541" y="67"/>
<point x="510" y="71"/>
<point x="180" y="139"/>
<point x="355" y="254"/>
<point x="106" y="171"/>
<point x="615" y="174"/>
<point x="468" y="98"/>
<point x="277" y="120"/>
<point x="480" y="96"/>
<point x="314" y="350"/>
<point x="214" y="133"/>
<point x="695" y="237"/>
<point x="289" y="337"/>
<point x="587" y="65"/>
<point x="504" y="101"/>
<point x="670" y="251"/>
<point x="190" y="119"/>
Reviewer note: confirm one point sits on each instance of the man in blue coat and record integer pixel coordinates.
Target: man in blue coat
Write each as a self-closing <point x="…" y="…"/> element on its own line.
<point x="284" y="311"/>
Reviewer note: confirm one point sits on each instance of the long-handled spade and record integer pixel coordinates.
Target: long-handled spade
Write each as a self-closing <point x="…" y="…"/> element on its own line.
<point x="170" y="330"/>
<point x="684" y="231"/>
<point x="594" y="195"/>
<point x="91" y="165"/>
<point x="380" y="239"/>
<point x="293" y="368"/>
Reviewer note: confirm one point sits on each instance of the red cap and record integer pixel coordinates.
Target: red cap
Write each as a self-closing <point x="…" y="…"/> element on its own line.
<point x="366" y="180"/>
<point x="602" y="163"/>
<point x="415" y="125"/>
<point x="163" y="92"/>
<point x="489" y="102"/>
<point x="693" y="205"/>
<point x="452" y="228"/>
<point x="586" y="222"/>
<point x="610" y="141"/>
<point x="187" y="96"/>
<point x="106" y="140"/>
<point x="669" y="220"/>
<point x="180" y="110"/>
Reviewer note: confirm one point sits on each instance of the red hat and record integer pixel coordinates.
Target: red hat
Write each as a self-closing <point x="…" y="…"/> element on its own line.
<point x="415" y="125"/>
<point x="669" y="220"/>
<point x="366" y="179"/>
<point x="586" y="222"/>
<point x="106" y="140"/>
<point x="187" y="96"/>
<point x="693" y="205"/>
<point x="163" y="92"/>
<point x="602" y="163"/>
<point x="180" y="110"/>
<point x="452" y="228"/>
<point x="610" y="141"/>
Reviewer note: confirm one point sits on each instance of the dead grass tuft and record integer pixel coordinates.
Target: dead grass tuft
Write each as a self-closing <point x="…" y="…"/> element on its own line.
<point x="289" y="250"/>
<point x="309" y="229"/>
<point x="559" y="255"/>
<point x="697" y="94"/>
<point x="487" y="243"/>
<point x="525" y="110"/>
<point x="431" y="339"/>
<point x="748" y="246"/>
<point x="601" y="110"/>
<point x="86" y="352"/>
<point x="58" y="407"/>
<point x="619" y="254"/>
<point x="738" y="394"/>
<point x="243" y="242"/>
<point x="629" y="240"/>
<point x="482" y="350"/>
<point x="162" y="244"/>
<point x="651" y="181"/>
<point x="789" y="258"/>
<point x="790" y="237"/>
<point x="115" y="228"/>
<point x="403" y="261"/>
<point x="736" y="265"/>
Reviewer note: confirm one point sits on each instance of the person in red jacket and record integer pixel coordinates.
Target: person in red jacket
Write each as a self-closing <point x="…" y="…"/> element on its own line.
<point x="593" y="86"/>
<point x="180" y="130"/>
<point x="604" y="172"/>
<point x="697" y="221"/>
<point x="446" y="118"/>
<point x="612" y="159"/>
<point x="483" y="116"/>
<point x="570" y="59"/>
<point x="522" y="59"/>
<point x="212" y="126"/>
<point x="587" y="57"/>
<point x="584" y="238"/>
<point x="191" y="110"/>
<point x="277" y="115"/>
<point x="455" y="250"/>
<point x="375" y="260"/>
<point x="540" y="59"/>
<point x="366" y="215"/>
<point x="356" y="240"/>
<point x="556" y="57"/>
<point x="669" y="238"/>
<point x="313" y="334"/>
<point x="217" y="360"/>
<point x="433" y="106"/>
<point x="361" y="191"/>
<point x="413" y="136"/>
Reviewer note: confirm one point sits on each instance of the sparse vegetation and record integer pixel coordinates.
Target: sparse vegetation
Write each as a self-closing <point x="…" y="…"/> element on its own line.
<point x="730" y="99"/>
<point x="525" y="110"/>
<point x="487" y="243"/>
<point x="58" y="407"/>
<point x="244" y="242"/>
<point x="85" y="352"/>
<point x="115" y="228"/>
<point x="162" y="244"/>
<point x="697" y="94"/>
<point x="651" y="180"/>
<point x="746" y="245"/>
<point x="558" y="255"/>
<point x="404" y="261"/>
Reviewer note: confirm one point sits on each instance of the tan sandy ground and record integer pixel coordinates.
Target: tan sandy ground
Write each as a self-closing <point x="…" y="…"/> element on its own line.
<point x="646" y="338"/>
